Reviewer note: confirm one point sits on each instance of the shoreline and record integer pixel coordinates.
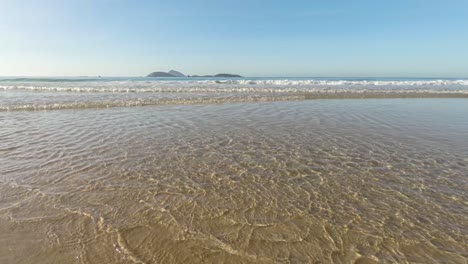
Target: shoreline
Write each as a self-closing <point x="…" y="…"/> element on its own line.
<point x="250" y="98"/>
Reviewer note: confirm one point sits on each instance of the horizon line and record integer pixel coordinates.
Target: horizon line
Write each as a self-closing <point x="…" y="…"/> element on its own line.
<point x="243" y="76"/>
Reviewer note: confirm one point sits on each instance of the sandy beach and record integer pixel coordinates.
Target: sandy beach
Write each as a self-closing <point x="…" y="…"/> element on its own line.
<point x="312" y="181"/>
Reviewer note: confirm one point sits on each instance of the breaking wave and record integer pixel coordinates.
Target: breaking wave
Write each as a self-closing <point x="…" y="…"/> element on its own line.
<point x="79" y="93"/>
<point x="228" y="85"/>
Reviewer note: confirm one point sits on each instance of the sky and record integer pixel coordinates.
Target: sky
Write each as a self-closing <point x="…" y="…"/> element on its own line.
<point x="294" y="38"/>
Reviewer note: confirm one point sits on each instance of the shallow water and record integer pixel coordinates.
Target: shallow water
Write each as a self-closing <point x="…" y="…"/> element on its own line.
<point x="317" y="181"/>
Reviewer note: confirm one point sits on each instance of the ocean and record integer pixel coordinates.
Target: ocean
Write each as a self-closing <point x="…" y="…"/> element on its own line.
<point x="86" y="92"/>
<point x="248" y="170"/>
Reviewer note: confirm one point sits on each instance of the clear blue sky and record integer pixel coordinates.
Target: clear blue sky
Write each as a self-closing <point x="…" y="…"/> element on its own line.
<point x="250" y="37"/>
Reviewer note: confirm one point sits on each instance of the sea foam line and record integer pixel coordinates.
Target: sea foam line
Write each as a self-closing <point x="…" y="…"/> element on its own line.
<point x="279" y="82"/>
<point x="219" y="100"/>
<point x="240" y="89"/>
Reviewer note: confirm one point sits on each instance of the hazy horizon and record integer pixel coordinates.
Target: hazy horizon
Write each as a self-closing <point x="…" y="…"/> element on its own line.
<point x="424" y="39"/>
<point x="243" y="76"/>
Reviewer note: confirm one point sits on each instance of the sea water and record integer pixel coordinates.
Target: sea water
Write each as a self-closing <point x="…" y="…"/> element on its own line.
<point x="85" y="92"/>
<point x="233" y="171"/>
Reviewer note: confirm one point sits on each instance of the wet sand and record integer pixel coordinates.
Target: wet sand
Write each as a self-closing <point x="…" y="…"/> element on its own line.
<point x="311" y="181"/>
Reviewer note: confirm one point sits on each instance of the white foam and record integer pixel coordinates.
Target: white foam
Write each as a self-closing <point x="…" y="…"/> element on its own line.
<point x="37" y="95"/>
<point x="242" y="86"/>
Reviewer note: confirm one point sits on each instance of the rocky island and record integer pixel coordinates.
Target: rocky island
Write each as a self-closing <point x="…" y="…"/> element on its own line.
<point x="173" y="73"/>
<point x="160" y="74"/>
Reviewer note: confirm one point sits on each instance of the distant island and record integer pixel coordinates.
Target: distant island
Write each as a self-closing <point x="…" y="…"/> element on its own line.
<point x="173" y="73"/>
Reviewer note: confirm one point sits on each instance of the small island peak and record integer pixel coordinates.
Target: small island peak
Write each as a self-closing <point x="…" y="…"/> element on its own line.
<point x="175" y="74"/>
